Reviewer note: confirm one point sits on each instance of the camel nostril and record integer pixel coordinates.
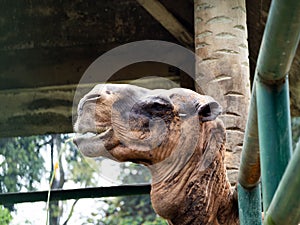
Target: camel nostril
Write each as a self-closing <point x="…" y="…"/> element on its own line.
<point x="88" y="98"/>
<point x="93" y="97"/>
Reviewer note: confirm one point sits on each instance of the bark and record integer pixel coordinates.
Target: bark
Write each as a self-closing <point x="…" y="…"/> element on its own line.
<point x="222" y="67"/>
<point x="58" y="182"/>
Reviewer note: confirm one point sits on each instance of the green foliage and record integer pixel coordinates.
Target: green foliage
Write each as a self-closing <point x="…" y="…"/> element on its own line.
<point x="134" y="174"/>
<point x="79" y="169"/>
<point x="5" y="216"/>
<point x="21" y="164"/>
<point x="157" y="221"/>
<point x="136" y="210"/>
<point x="128" y="210"/>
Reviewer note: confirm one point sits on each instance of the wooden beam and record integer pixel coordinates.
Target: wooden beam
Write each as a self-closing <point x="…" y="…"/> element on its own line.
<point x="44" y="110"/>
<point x="35" y="72"/>
<point x="168" y="21"/>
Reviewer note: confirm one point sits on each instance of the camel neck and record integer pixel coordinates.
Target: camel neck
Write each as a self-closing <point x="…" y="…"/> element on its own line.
<point x="200" y="192"/>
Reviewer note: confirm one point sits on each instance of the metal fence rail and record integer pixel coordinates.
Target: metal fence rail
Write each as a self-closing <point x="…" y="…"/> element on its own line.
<point x="56" y="195"/>
<point x="269" y="117"/>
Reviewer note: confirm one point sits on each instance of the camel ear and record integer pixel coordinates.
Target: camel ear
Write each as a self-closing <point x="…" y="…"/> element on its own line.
<point x="209" y="111"/>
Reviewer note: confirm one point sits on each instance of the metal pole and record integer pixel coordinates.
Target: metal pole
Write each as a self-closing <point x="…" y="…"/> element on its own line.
<point x="275" y="135"/>
<point x="249" y="192"/>
<point x="279" y="44"/>
<point x="277" y="51"/>
<point x="249" y="172"/>
<point x="280" y="40"/>
<point x="249" y="205"/>
<point x="55" y="195"/>
<point x="278" y="48"/>
<point x="285" y="206"/>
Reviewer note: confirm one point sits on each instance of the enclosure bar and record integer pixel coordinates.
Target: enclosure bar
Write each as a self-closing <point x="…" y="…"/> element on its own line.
<point x="249" y="205"/>
<point x="56" y="195"/>
<point x="275" y="135"/>
<point x="249" y="172"/>
<point x="279" y="44"/>
<point x="280" y="40"/>
<point x="285" y="206"/>
<point x="277" y="51"/>
<point x="249" y="192"/>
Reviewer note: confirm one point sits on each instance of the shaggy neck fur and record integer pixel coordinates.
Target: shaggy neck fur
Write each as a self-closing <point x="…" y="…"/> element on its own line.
<point x="200" y="192"/>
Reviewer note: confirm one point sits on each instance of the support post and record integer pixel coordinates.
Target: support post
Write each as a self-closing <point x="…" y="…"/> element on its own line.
<point x="279" y="44"/>
<point x="285" y="206"/>
<point x="250" y="205"/>
<point x="249" y="190"/>
<point x="275" y="135"/>
<point x="249" y="173"/>
<point x="270" y="93"/>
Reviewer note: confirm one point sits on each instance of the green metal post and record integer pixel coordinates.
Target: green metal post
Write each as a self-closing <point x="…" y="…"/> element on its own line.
<point x="277" y="51"/>
<point x="249" y="192"/>
<point x="249" y="172"/>
<point x="285" y="206"/>
<point x="279" y="44"/>
<point x="280" y="40"/>
<point x="249" y="205"/>
<point x="275" y="135"/>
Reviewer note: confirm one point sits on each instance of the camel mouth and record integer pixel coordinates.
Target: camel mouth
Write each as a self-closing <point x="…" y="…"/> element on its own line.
<point x="95" y="144"/>
<point x="99" y="133"/>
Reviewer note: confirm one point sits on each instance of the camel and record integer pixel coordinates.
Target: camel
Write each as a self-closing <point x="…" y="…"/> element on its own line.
<point x="176" y="134"/>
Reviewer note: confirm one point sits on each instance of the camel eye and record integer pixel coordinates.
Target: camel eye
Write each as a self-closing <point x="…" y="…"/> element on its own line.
<point x="144" y="112"/>
<point x="156" y="107"/>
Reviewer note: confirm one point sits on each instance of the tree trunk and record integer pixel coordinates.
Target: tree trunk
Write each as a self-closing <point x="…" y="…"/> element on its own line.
<point x="222" y="67"/>
<point x="58" y="182"/>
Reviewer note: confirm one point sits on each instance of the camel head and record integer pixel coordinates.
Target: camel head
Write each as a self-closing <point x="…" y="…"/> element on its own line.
<point x="130" y="123"/>
<point x="175" y="133"/>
